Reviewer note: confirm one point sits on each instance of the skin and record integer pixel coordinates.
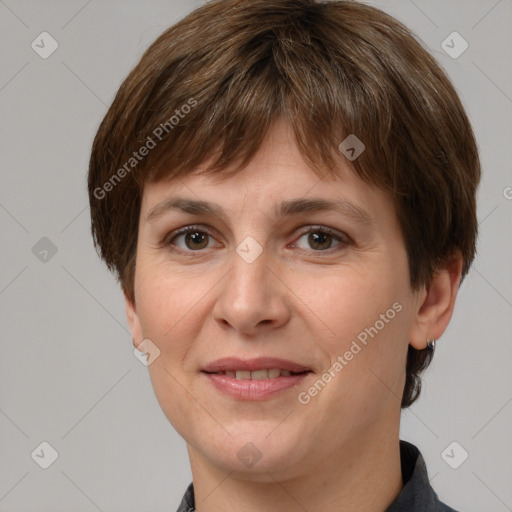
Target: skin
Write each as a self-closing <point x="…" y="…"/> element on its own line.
<point x="296" y="301"/>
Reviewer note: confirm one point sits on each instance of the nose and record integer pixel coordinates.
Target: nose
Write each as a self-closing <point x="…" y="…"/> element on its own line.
<point x="252" y="299"/>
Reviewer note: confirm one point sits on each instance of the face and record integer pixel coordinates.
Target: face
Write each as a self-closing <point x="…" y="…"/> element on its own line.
<point x="314" y="302"/>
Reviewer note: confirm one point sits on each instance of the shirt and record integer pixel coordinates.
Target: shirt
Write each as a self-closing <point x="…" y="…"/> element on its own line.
<point x="416" y="495"/>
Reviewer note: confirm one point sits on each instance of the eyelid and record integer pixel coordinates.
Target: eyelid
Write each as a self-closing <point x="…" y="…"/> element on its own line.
<point x="183" y="230"/>
<point x="340" y="236"/>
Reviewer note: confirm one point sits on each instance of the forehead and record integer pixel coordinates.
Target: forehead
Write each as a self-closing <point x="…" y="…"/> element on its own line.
<point x="277" y="173"/>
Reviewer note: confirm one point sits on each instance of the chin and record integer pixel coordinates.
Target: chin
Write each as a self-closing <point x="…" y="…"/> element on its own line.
<point x="252" y="455"/>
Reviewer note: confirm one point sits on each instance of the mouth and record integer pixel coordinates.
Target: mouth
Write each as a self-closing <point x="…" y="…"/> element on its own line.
<point x="256" y="368"/>
<point x="254" y="379"/>
<point x="263" y="374"/>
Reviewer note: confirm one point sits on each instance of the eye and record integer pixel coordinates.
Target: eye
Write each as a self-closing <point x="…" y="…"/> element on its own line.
<point x="194" y="239"/>
<point x="320" y="239"/>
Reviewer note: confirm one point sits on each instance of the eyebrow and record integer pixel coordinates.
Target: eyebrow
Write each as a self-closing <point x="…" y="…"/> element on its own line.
<point x="285" y="208"/>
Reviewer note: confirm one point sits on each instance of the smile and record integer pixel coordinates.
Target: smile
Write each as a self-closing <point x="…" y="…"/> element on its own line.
<point x="272" y="373"/>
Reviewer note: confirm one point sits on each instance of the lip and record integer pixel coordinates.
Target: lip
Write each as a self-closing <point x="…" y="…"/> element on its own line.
<point x="258" y="363"/>
<point x="254" y="389"/>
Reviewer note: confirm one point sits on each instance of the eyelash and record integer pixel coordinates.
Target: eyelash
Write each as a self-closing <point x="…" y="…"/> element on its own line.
<point x="342" y="238"/>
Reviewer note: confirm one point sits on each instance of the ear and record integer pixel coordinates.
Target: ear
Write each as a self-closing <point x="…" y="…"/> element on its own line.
<point x="436" y="304"/>
<point x="133" y="321"/>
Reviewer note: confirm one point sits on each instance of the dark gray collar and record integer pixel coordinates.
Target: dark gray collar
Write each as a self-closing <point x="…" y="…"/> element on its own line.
<point x="416" y="495"/>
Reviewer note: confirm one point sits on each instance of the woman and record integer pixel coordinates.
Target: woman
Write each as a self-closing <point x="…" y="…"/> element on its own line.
<point x="286" y="192"/>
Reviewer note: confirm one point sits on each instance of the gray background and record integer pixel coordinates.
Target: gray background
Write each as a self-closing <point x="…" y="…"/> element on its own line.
<point x="67" y="371"/>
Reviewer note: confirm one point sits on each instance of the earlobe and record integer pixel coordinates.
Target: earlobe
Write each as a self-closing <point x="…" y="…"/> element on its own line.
<point x="436" y="309"/>
<point x="133" y="321"/>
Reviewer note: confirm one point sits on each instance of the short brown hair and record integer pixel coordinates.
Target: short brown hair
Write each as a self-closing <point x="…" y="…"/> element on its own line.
<point x="215" y="82"/>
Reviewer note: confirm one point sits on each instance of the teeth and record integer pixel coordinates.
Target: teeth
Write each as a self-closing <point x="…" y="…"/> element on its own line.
<point x="271" y="373"/>
<point x="274" y="373"/>
<point x="259" y="374"/>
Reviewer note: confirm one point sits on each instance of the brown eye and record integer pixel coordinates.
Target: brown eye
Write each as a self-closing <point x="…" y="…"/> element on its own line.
<point x="319" y="240"/>
<point x="196" y="240"/>
<point x="189" y="239"/>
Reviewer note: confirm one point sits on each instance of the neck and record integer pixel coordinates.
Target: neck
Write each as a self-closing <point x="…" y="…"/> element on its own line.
<point x="366" y="476"/>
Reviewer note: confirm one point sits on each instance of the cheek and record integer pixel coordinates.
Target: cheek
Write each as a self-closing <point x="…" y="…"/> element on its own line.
<point x="362" y="317"/>
<point x="346" y="302"/>
<point x="168" y="305"/>
<point x="168" y="308"/>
